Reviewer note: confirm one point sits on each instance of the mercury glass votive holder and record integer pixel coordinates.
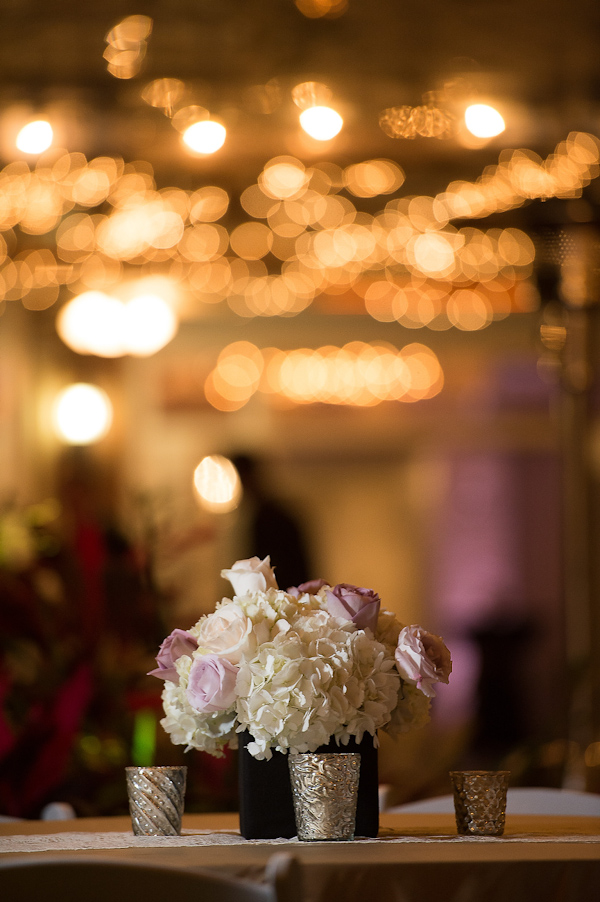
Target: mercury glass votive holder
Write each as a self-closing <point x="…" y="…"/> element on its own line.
<point x="480" y="801"/>
<point x="325" y="792"/>
<point x="156" y="799"/>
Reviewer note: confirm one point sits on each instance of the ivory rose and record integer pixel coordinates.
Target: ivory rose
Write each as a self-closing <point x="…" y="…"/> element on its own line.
<point x="211" y="684"/>
<point x="227" y="633"/>
<point x="178" y="643"/>
<point x="311" y="587"/>
<point x="422" y="659"/>
<point x="361" y="606"/>
<point x="251" y="575"/>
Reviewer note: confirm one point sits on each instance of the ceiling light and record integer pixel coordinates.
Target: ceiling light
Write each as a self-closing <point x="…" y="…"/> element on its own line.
<point x="484" y="121"/>
<point x="35" y="137"/>
<point x="321" y="122"/>
<point x="205" y="137"/>
<point x="82" y="414"/>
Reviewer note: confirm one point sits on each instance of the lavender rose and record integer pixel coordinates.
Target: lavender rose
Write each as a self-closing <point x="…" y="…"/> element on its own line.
<point x="251" y="575"/>
<point x="422" y="659"/>
<point x="211" y="684"/>
<point x="311" y="587"/>
<point x="348" y="602"/>
<point x="178" y="643"/>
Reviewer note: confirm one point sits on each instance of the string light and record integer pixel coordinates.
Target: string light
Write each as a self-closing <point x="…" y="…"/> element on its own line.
<point x="102" y="215"/>
<point x="358" y="374"/>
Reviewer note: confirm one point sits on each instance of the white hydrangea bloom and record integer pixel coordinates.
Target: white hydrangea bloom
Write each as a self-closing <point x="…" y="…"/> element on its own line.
<point x="320" y="679"/>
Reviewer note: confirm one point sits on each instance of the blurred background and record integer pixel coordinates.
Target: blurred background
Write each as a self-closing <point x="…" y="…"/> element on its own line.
<point x="309" y="278"/>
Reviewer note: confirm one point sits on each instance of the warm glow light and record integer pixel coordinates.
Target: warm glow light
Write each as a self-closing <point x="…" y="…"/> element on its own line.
<point x="127" y="46"/>
<point x="35" y="137"/>
<point x="95" y="323"/>
<point x="205" y="137"/>
<point x="217" y="484"/>
<point x="484" y="121"/>
<point x="149" y="324"/>
<point x="327" y="245"/>
<point x="317" y="9"/>
<point x="283" y="177"/>
<point x="82" y="414"/>
<point x="358" y="374"/>
<point x="321" y="122"/>
<point x="92" y="323"/>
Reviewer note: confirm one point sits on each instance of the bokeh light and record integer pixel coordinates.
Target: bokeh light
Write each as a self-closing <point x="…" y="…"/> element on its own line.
<point x="373" y="177"/>
<point x="127" y="45"/>
<point x="35" y="137"/>
<point x="321" y="122"/>
<point x="103" y="218"/>
<point x="164" y="93"/>
<point x="82" y="414"/>
<point x="484" y="121"/>
<point x="358" y="374"/>
<point x="205" y="137"/>
<point x="217" y="484"/>
<point x="149" y="324"/>
<point x="426" y="121"/>
<point x="92" y="323"/>
<point x="99" y="324"/>
<point x="322" y="9"/>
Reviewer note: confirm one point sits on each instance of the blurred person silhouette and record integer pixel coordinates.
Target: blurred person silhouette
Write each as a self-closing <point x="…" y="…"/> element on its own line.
<point x="268" y="527"/>
<point x="501" y="720"/>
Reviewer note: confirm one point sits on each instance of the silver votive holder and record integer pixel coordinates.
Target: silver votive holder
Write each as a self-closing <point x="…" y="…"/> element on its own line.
<point x="480" y="801"/>
<point x="156" y="799"/>
<point x="325" y="791"/>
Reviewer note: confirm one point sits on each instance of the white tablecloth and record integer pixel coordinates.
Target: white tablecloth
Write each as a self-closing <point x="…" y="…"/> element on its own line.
<point x="417" y="858"/>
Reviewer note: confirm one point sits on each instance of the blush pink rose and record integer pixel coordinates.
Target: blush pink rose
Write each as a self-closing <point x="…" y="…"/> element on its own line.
<point x="422" y="659"/>
<point x="354" y="603"/>
<point x="211" y="684"/>
<point x="251" y="575"/>
<point x="227" y="632"/>
<point x="178" y="643"/>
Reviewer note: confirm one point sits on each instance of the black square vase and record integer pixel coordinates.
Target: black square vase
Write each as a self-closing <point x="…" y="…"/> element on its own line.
<point x="265" y="793"/>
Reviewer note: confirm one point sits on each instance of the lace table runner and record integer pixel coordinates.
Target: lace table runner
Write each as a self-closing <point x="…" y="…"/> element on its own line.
<point x="68" y="842"/>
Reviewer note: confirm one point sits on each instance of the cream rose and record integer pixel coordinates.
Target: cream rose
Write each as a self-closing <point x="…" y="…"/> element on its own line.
<point x="422" y="659"/>
<point x="226" y="633"/>
<point x="250" y="576"/>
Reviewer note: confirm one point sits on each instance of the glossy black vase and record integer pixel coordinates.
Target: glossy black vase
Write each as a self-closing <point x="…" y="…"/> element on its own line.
<point x="265" y="794"/>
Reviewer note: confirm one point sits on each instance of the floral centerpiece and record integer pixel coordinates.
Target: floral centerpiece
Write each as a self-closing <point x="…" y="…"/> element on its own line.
<point x="295" y="670"/>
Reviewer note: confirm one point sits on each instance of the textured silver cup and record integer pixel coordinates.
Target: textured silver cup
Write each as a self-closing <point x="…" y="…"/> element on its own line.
<point x="156" y="799"/>
<point x="324" y="790"/>
<point x="480" y="801"/>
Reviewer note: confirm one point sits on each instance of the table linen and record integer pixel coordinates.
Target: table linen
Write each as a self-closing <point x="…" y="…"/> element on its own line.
<point x="416" y="857"/>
